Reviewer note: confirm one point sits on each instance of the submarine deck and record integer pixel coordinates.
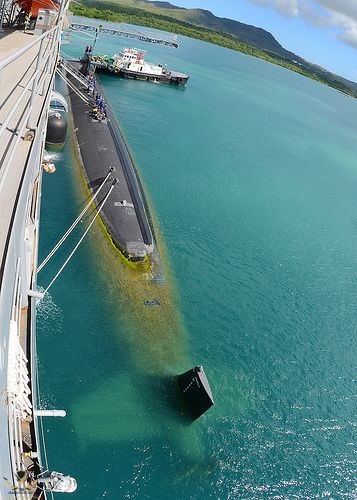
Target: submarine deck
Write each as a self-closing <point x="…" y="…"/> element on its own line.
<point x="102" y="146"/>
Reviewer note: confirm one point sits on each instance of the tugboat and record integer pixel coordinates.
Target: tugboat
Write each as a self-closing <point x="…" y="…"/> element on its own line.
<point x="130" y="63"/>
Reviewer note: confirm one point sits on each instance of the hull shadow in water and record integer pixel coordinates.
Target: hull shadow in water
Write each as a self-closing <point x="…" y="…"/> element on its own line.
<point x="142" y="402"/>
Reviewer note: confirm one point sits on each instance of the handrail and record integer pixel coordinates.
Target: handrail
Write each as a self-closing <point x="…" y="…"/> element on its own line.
<point x="6" y="167"/>
<point x="23" y="104"/>
<point x="24" y="92"/>
<point x="10" y="59"/>
<point x="15" y="292"/>
<point x="18" y="403"/>
<point x="32" y="89"/>
<point x="27" y="76"/>
<point x="73" y="71"/>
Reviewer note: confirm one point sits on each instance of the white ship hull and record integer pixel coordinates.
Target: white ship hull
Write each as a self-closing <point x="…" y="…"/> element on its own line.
<point x="26" y="94"/>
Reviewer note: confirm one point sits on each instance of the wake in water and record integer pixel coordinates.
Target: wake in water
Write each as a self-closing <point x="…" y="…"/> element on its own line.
<point x="47" y="309"/>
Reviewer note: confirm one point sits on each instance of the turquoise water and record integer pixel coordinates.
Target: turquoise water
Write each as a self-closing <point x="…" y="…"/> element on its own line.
<point x="251" y="172"/>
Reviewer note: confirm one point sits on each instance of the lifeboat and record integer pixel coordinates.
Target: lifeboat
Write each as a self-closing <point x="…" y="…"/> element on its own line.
<point x="31" y="7"/>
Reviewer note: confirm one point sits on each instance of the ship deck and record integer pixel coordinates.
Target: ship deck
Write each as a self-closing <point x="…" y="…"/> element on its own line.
<point x="15" y="78"/>
<point x="27" y="64"/>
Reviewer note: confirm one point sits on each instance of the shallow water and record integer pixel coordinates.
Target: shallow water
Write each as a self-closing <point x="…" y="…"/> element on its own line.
<point x="251" y="174"/>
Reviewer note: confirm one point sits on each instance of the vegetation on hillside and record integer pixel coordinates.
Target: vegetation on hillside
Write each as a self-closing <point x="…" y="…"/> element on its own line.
<point x="110" y="11"/>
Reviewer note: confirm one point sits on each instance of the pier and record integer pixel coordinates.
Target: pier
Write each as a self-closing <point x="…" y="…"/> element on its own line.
<point x="125" y="34"/>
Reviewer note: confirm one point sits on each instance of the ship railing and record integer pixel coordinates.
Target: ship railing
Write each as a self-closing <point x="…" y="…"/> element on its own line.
<point x="18" y="394"/>
<point x="17" y="112"/>
<point x="34" y="84"/>
<point x="23" y="115"/>
<point x="74" y="72"/>
<point x="26" y="81"/>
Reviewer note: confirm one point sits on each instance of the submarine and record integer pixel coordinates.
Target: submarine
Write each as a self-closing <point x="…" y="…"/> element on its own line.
<point x="101" y="147"/>
<point x="126" y="217"/>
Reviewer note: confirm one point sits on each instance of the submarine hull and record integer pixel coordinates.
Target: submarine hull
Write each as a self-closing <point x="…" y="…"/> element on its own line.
<point x="125" y="214"/>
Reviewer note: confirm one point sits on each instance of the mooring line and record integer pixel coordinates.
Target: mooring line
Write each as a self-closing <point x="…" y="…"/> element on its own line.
<point x="82" y="237"/>
<point x="68" y="232"/>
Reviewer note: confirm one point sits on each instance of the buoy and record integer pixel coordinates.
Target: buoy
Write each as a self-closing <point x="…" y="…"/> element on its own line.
<point x="56" y="129"/>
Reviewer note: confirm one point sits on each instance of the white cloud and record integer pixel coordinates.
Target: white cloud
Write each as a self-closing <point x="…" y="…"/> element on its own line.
<point x="286" y="7"/>
<point x="338" y="14"/>
<point x="350" y="36"/>
<point x="347" y="8"/>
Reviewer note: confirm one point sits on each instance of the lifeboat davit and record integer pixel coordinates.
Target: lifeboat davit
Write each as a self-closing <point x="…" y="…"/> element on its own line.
<point x="31" y="7"/>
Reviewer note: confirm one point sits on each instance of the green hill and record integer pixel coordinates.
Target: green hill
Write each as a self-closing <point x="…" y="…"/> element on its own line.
<point x="202" y="24"/>
<point x="205" y="19"/>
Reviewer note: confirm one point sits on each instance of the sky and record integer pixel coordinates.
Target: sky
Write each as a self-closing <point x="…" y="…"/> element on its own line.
<point x="323" y="32"/>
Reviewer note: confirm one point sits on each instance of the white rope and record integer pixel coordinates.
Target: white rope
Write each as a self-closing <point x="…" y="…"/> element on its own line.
<point x="82" y="238"/>
<point x="68" y="232"/>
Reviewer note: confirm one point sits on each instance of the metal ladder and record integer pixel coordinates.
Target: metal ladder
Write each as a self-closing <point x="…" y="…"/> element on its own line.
<point x="72" y="71"/>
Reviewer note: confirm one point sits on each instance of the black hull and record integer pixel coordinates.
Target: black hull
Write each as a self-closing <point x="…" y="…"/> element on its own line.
<point x="102" y="146"/>
<point x="133" y="75"/>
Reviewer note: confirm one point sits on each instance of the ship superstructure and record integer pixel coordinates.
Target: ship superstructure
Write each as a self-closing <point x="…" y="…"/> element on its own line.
<point x="28" y="62"/>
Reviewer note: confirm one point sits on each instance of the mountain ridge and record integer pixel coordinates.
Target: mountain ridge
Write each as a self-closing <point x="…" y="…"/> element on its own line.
<point x="206" y="26"/>
<point x="246" y="32"/>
